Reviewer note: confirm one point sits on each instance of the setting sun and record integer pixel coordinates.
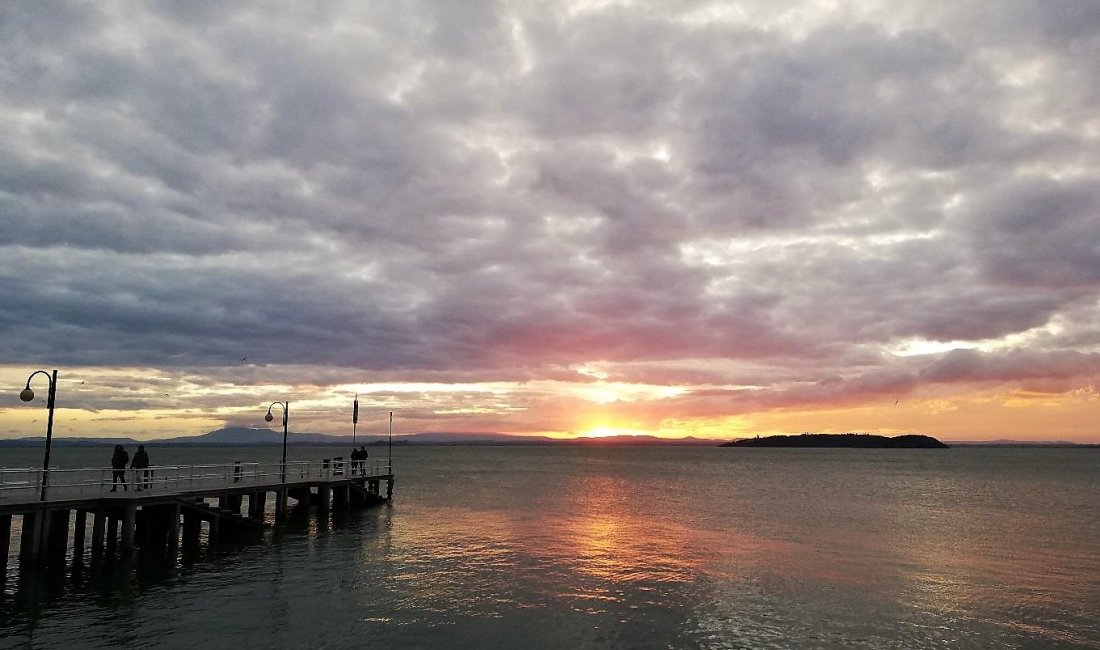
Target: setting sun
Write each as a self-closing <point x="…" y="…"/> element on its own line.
<point x="605" y="432"/>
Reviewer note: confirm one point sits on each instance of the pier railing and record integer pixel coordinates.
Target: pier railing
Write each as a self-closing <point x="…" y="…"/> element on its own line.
<point x="25" y="485"/>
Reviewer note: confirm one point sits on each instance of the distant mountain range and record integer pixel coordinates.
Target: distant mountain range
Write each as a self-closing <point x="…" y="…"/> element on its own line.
<point x="244" y="436"/>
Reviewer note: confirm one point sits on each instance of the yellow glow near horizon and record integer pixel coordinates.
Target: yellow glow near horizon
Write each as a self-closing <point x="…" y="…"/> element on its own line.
<point x="600" y="432"/>
<point x="606" y="432"/>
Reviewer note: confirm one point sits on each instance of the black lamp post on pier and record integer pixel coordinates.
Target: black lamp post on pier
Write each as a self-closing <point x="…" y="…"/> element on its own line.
<point x="286" y="415"/>
<point x="27" y="395"/>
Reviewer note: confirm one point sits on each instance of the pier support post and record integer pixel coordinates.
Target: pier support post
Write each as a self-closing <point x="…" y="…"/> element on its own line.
<point x="57" y="535"/>
<point x="257" y="504"/>
<point x="99" y="520"/>
<point x="79" y="531"/>
<point x="191" y="529"/>
<point x="142" y="526"/>
<point x="215" y="532"/>
<point x="30" y="540"/>
<point x="325" y="497"/>
<point x="280" y="503"/>
<point x="112" y="533"/>
<point x="128" y="517"/>
<point x="173" y="530"/>
<point x="5" y="545"/>
<point x="389" y="488"/>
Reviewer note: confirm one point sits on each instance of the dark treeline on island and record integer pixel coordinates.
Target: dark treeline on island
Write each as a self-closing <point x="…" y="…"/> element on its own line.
<point x="857" y="440"/>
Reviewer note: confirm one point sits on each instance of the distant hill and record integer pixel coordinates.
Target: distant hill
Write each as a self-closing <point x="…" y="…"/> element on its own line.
<point x="250" y="436"/>
<point x="39" y="441"/>
<point x="851" y="440"/>
<point x="247" y="436"/>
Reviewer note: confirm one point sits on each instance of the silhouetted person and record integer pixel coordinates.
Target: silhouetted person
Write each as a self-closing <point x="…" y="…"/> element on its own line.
<point x="356" y="460"/>
<point x="141" y="462"/>
<point x="118" y="464"/>
<point x="363" y="459"/>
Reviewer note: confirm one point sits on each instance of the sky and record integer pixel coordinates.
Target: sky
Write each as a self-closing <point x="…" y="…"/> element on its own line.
<point x="553" y="217"/>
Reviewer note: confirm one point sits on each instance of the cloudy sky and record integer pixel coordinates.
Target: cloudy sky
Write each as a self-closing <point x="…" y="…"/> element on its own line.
<point x="567" y="218"/>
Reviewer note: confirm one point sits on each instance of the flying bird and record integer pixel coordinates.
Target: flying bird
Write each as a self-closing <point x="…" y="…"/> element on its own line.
<point x="243" y="358"/>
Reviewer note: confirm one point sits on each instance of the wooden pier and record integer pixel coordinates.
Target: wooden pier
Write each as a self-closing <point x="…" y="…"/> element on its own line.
<point x="176" y="506"/>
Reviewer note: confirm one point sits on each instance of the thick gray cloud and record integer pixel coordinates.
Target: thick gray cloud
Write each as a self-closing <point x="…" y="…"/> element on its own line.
<point x="479" y="191"/>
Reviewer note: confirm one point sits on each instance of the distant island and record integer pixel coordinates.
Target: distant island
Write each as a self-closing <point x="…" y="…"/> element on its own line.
<point x="857" y="440"/>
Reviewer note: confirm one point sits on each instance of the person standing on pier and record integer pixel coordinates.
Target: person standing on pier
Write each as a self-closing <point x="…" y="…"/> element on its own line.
<point x="141" y="462"/>
<point x="358" y="456"/>
<point x="118" y="464"/>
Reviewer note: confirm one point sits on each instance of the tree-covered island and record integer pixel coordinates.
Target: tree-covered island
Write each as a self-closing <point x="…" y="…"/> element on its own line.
<point x="857" y="440"/>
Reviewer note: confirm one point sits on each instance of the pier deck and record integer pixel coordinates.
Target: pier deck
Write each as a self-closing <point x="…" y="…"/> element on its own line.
<point x="49" y="502"/>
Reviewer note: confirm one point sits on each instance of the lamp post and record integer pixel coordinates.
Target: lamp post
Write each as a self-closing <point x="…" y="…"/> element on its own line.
<point x="286" y="414"/>
<point x="27" y="395"/>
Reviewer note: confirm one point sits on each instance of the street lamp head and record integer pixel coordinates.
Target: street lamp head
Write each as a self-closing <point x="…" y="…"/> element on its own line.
<point x="26" y="394"/>
<point x="269" y="417"/>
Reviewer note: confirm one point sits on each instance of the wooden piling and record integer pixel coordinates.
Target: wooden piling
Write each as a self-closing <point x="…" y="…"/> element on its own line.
<point x="158" y="536"/>
<point x="99" y="520"/>
<point x="191" y="529"/>
<point x="57" y="534"/>
<point x="128" y="516"/>
<point x="112" y="533"/>
<point x="79" y="529"/>
<point x="280" y="503"/>
<point x="340" y="497"/>
<point x="29" y="539"/>
<point x="142" y="526"/>
<point x="5" y="545"/>
<point x="173" y="529"/>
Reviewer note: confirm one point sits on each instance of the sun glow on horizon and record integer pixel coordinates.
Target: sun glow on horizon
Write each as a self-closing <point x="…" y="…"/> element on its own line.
<point x="606" y="432"/>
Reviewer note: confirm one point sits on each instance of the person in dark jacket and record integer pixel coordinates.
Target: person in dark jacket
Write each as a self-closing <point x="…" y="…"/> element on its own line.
<point x="358" y="456"/>
<point x="141" y="462"/>
<point x="118" y="464"/>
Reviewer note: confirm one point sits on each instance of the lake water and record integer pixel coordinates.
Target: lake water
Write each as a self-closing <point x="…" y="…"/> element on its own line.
<point x="537" y="547"/>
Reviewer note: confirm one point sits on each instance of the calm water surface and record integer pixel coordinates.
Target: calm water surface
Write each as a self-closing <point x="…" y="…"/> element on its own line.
<point x="534" y="547"/>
